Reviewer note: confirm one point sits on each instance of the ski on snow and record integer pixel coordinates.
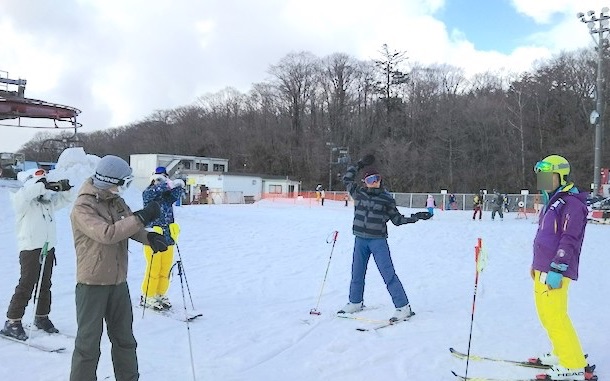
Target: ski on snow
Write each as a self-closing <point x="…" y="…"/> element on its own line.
<point x="386" y="324"/>
<point x="526" y="364"/>
<point x="40" y="347"/>
<point x="173" y="315"/>
<point x="539" y="377"/>
<point x="589" y="376"/>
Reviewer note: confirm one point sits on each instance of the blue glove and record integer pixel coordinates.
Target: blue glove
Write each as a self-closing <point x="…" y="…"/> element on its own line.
<point x="554" y="277"/>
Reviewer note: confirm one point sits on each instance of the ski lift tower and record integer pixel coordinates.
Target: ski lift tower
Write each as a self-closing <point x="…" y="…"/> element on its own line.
<point x="20" y="112"/>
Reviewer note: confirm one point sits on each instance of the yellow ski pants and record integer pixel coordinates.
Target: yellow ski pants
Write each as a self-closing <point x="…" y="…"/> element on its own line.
<point x="156" y="276"/>
<point x="552" y="308"/>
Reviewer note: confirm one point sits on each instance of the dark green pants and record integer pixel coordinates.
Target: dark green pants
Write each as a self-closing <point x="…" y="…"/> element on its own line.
<point x="94" y="304"/>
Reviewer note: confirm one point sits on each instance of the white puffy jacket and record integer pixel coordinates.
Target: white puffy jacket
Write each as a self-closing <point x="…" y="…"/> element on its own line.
<point x="35" y="215"/>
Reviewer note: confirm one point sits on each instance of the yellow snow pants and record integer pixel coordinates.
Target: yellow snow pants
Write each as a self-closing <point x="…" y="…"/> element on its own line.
<point x="552" y="308"/>
<point x="156" y="276"/>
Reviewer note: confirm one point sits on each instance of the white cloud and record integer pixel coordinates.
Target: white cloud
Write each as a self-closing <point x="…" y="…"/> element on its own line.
<point x="543" y="10"/>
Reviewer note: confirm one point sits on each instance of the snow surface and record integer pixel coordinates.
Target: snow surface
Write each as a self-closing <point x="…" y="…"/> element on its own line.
<point x="255" y="271"/>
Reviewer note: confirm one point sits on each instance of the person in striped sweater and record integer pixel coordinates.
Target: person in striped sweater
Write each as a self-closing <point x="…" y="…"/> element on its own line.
<point x="374" y="206"/>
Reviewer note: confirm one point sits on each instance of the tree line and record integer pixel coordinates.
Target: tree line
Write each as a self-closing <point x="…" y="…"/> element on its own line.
<point x="430" y="127"/>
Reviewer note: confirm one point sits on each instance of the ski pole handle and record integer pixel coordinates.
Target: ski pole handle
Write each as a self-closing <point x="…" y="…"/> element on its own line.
<point x="332" y="237"/>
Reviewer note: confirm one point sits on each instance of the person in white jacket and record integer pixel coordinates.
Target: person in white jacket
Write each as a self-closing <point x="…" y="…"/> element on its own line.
<point x="35" y="205"/>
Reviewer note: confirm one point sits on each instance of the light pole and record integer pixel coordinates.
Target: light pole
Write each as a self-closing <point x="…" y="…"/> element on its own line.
<point x="330" y="164"/>
<point x="598" y="26"/>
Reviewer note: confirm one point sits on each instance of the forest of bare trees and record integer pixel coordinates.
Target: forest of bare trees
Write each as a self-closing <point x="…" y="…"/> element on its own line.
<point x="431" y="127"/>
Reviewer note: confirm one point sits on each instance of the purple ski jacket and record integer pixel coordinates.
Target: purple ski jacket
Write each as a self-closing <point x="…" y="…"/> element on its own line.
<point x="561" y="230"/>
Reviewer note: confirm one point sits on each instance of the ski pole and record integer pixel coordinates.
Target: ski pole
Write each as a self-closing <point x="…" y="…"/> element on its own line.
<point x="331" y="238"/>
<point x="43" y="260"/>
<point x="186" y="281"/>
<point x="186" y="317"/>
<point x="479" y="262"/>
<point x="152" y="258"/>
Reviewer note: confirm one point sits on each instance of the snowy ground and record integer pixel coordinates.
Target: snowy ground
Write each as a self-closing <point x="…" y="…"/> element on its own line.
<point x="255" y="272"/>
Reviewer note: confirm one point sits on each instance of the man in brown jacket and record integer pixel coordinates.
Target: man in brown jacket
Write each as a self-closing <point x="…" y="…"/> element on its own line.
<point x="102" y="224"/>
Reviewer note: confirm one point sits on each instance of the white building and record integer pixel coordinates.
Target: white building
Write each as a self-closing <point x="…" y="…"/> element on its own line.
<point x="208" y="179"/>
<point x="236" y="188"/>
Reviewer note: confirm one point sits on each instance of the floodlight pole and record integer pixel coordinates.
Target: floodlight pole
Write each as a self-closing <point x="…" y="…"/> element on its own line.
<point x="332" y="148"/>
<point x="601" y="29"/>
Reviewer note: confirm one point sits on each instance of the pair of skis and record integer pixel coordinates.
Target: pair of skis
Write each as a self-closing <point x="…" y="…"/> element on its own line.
<point x="589" y="376"/>
<point x="175" y="315"/>
<point x="385" y="324"/>
<point x="380" y="324"/>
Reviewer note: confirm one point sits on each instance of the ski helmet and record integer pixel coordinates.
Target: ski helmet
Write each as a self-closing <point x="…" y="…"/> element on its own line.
<point x="554" y="164"/>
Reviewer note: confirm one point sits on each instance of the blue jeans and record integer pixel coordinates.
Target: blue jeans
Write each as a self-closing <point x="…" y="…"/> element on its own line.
<point x="363" y="248"/>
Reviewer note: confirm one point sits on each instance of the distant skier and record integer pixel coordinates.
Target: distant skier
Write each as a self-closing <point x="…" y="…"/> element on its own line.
<point x="557" y="247"/>
<point x="452" y="204"/>
<point x="477" y="205"/>
<point x="497" y="206"/>
<point x="156" y="277"/>
<point x="373" y="208"/>
<point x="318" y="192"/>
<point x="430" y="204"/>
<point x="35" y="205"/>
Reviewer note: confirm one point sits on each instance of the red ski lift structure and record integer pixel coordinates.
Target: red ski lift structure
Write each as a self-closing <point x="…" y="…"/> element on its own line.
<point x="18" y="111"/>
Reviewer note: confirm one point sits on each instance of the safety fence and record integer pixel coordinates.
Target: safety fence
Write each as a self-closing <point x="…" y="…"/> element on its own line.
<point x="463" y="201"/>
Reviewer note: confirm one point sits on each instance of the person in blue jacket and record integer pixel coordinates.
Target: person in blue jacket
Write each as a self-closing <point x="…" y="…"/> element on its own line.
<point x="374" y="206"/>
<point x="156" y="277"/>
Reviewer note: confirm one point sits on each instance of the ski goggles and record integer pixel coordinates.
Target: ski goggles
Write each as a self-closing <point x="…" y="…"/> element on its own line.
<point x="372" y="179"/>
<point x="124" y="183"/>
<point x="39" y="173"/>
<point x="545" y="166"/>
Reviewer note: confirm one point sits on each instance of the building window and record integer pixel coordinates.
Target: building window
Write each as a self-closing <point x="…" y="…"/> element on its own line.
<point x="219" y="168"/>
<point x="276" y="189"/>
<point x="197" y="166"/>
<point x="187" y="164"/>
<point x="204" y="167"/>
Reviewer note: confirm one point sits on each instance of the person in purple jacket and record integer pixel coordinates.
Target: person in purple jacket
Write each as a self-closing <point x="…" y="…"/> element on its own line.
<point x="557" y="245"/>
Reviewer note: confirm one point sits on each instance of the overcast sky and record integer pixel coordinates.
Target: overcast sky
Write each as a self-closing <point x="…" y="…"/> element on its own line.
<point x="120" y="60"/>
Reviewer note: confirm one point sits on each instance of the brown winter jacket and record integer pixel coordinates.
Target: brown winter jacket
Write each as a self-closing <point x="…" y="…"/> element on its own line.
<point x="102" y="223"/>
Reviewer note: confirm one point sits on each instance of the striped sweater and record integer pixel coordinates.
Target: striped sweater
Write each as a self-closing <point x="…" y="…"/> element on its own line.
<point x="373" y="208"/>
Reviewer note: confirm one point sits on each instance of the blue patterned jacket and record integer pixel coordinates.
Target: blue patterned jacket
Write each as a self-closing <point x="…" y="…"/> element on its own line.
<point x="166" y="197"/>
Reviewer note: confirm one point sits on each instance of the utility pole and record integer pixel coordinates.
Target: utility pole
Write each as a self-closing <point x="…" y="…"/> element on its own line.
<point x="333" y="148"/>
<point x="598" y="29"/>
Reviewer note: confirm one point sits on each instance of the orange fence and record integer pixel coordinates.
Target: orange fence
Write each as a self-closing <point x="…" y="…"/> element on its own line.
<point x="308" y="197"/>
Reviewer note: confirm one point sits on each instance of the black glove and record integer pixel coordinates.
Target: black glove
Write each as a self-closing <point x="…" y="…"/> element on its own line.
<point x="59" y="186"/>
<point x="366" y="160"/>
<point x="421" y="215"/>
<point x="156" y="242"/>
<point x="151" y="212"/>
